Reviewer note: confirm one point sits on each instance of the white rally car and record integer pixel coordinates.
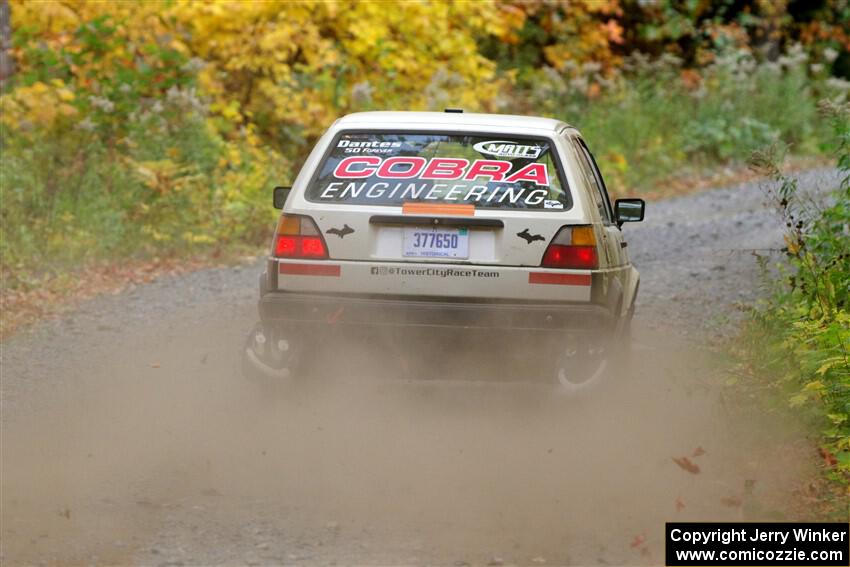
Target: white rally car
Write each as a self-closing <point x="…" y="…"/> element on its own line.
<point x="426" y="219"/>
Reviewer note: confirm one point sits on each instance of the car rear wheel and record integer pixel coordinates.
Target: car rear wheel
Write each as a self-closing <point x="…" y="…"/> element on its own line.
<point x="585" y="362"/>
<point x="581" y="365"/>
<point x="270" y="355"/>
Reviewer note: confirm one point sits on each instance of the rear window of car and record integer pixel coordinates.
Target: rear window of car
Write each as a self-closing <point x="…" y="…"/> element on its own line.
<point x="487" y="171"/>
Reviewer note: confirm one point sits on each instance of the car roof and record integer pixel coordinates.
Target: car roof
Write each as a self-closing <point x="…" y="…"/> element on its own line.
<point x="444" y="120"/>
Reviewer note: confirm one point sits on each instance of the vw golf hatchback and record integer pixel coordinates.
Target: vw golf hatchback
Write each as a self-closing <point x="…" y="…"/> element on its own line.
<point x="475" y="221"/>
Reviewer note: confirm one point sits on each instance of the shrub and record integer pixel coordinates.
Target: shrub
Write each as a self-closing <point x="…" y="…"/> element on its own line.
<point x="122" y="160"/>
<point x="803" y="330"/>
<point x="655" y="119"/>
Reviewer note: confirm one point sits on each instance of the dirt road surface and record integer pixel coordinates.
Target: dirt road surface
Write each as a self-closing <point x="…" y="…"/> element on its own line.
<point x="130" y="437"/>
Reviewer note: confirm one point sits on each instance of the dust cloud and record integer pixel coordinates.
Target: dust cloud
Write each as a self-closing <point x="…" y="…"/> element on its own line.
<point x="391" y="450"/>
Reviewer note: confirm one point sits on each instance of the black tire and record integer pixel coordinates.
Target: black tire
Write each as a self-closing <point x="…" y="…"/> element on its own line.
<point x="587" y="363"/>
<point x="582" y="364"/>
<point x="270" y="356"/>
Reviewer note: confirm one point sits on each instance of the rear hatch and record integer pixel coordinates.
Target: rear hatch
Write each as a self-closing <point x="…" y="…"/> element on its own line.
<point x="417" y="199"/>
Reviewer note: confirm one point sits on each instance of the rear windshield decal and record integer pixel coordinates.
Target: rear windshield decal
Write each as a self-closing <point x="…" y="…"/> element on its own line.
<point x="438" y="168"/>
<point x="501" y="148"/>
<point x="394" y="169"/>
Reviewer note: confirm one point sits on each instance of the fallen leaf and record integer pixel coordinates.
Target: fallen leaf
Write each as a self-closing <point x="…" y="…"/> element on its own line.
<point x="686" y="464"/>
<point x="829" y="459"/>
<point x="638" y="541"/>
<point x="154" y="365"/>
<point x="731" y="501"/>
<point x="332" y="318"/>
<point x="698" y="452"/>
<point x="680" y="504"/>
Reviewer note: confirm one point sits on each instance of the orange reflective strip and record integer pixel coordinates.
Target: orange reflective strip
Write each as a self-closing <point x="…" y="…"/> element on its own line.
<point x="559" y="279"/>
<point x="309" y="269"/>
<point x="455" y="209"/>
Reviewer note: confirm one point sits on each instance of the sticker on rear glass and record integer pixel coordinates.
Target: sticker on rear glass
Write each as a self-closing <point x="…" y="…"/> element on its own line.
<point x="368" y="147"/>
<point x="460" y="193"/>
<point x="501" y="148"/>
<point x="401" y="177"/>
<point x="391" y="169"/>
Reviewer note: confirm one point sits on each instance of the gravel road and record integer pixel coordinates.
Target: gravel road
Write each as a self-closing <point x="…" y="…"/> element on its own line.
<point x="129" y="436"/>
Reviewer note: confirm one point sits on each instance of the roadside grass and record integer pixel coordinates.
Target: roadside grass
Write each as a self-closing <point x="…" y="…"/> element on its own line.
<point x="693" y="179"/>
<point x="72" y="198"/>
<point x="795" y="347"/>
<point x="755" y="382"/>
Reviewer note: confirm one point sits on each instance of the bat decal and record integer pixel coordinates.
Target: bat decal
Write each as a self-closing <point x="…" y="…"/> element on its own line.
<point x="341" y="232"/>
<point x="528" y="237"/>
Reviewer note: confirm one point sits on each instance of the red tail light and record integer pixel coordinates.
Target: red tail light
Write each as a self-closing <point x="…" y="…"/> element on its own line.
<point x="572" y="248"/>
<point x="300" y="247"/>
<point x="579" y="257"/>
<point x="298" y="236"/>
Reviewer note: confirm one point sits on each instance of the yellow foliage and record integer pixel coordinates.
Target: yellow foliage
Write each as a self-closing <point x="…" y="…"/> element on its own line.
<point x="305" y="62"/>
<point x="578" y="30"/>
<point x="792" y="242"/>
<point x="301" y="63"/>
<point x="36" y="105"/>
<point x="141" y="20"/>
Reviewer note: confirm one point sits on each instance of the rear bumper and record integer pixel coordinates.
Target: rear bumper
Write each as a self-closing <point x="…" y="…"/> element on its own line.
<point x="298" y="309"/>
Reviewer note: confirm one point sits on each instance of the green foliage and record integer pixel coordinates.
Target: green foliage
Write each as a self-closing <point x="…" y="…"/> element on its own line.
<point x="654" y="119"/>
<point x="803" y="332"/>
<point x="171" y="186"/>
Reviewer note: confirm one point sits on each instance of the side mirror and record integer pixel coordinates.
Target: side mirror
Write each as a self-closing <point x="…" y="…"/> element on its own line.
<point x="280" y="195"/>
<point x="629" y="210"/>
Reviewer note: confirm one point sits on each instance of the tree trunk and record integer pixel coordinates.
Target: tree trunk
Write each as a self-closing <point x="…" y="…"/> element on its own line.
<point x="7" y="64"/>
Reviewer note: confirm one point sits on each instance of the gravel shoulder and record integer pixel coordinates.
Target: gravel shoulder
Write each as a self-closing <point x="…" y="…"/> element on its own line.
<point x="696" y="253"/>
<point x="129" y="436"/>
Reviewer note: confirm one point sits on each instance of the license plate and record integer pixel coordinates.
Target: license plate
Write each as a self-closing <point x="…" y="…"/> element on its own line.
<point x="436" y="242"/>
